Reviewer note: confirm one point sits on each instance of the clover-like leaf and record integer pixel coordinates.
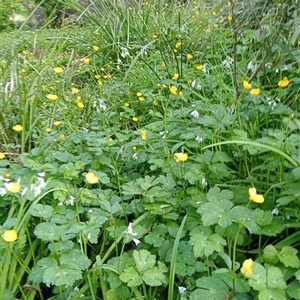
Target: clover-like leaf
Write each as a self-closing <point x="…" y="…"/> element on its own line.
<point x="288" y="256"/>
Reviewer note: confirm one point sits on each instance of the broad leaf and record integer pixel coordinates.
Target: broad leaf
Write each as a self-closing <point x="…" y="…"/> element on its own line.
<point x="41" y="211"/>
<point x="288" y="256"/>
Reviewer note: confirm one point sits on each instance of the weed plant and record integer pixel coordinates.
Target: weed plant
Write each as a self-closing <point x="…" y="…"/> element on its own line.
<point x="152" y="153"/>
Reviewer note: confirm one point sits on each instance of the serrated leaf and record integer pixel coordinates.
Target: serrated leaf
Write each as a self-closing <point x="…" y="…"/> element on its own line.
<point x="131" y="277"/>
<point x="41" y="211"/>
<point x="275" y="279"/>
<point x="47" y="232"/>
<point x="156" y="237"/>
<point x="143" y="260"/>
<point x="75" y="259"/>
<point x="275" y="294"/>
<point x="288" y="256"/>
<point x="37" y="272"/>
<point x="153" y="277"/>
<point x="258" y="277"/>
<point x="61" y="246"/>
<point x="293" y="290"/>
<point x="270" y="254"/>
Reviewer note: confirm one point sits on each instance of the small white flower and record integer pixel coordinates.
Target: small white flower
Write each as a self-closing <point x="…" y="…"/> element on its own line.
<point x="70" y="201"/>
<point x="204" y="182"/>
<point x="231" y="109"/>
<point x="119" y="61"/>
<point x="42" y="174"/>
<point x="124" y="52"/>
<point x="195" y="114"/>
<point x="181" y="289"/>
<point x="275" y="212"/>
<point x="130" y="230"/>
<point x="268" y="65"/>
<point x="199" y="139"/>
<point x="90" y="210"/>
<point x="227" y="62"/>
<point x="89" y="236"/>
<point x="24" y="191"/>
<point x="38" y="186"/>
<point x="195" y="84"/>
<point x="2" y="191"/>
<point x="135" y="156"/>
<point x="163" y="134"/>
<point x="251" y="66"/>
<point x="136" y="241"/>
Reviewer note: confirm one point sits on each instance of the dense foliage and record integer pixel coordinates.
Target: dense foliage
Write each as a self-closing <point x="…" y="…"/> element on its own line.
<point x="152" y="152"/>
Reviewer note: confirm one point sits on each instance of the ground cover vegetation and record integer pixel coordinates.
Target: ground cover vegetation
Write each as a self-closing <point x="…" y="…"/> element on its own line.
<point x="151" y="151"/>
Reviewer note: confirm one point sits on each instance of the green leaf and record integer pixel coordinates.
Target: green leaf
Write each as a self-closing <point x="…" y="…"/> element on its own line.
<point x="75" y="259"/>
<point x="143" y="260"/>
<point x="37" y="273"/>
<point x="41" y="211"/>
<point x="258" y="277"/>
<point x="47" y="232"/>
<point x="293" y="290"/>
<point x="61" y="246"/>
<point x="275" y="279"/>
<point x="270" y="255"/>
<point x="131" y="277"/>
<point x="156" y="237"/>
<point x="288" y="256"/>
<point x="272" y="294"/>
<point x="153" y="277"/>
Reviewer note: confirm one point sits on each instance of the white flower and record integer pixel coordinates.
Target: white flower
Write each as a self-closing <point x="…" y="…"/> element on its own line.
<point x="275" y="212"/>
<point x="195" y="84"/>
<point x="90" y="210"/>
<point x="89" y="236"/>
<point x="42" y="174"/>
<point x="100" y="104"/>
<point x="130" y="230"/>
<point x="2" y="191"/>
<point x="181" y="289"/>
<point x="227" y="62"/>
<point x="163" y="134"/>
<point x="24" y="191"/>
<point x="204" y="182"/>
<point x="136" y="241"/>
<point x="251" y="66"/>
<point x="195" y="114"/>
<point x="199" y="139"/>
<point x="135" y="156"/>
<point x="70" y="201"/>
<point x="38" y="186"/>
<point x="124" y="52"/>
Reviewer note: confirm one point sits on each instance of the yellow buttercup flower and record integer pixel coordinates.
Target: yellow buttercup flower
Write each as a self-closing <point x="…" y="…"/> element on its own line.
<point x="143" y="135"/>
<point x="180" y="157"/>
<point x="176" y="76"/>
<point x="139" y="94"/>
<point x="62" y="137"/>
<point x="155" y="36"/>
<point x="177" y="45"/>
<point x="91" y="178"/>
<point x="135" y="119"/>
<point x="253" y="196"/>
<point x="173" y="89"/>
<point x="141" y="99"/>
<point x="75" y="90"/>
<point x="18" y="128"/>
<point x="199" y="67"/>
<point x="56" y="123"/>
<point x="95" y="48"/>
<point x="247" y="266"/>
<point x="255" y="92"/>
<point x="10" y="235"/>
<point x="247" y="85"/>
<point x="126" y="104"/>
<point x="52" y="97"/>
<point x="2" y="155"/>
<point x="80" y="104"/>
<point x="189" y="56"/>
<point x="48" y="130"/>
<point x="284" y="82"/>
<point x="86" y="61"/>
<point x="58" y="70"/>
<point x="13" y="187"/>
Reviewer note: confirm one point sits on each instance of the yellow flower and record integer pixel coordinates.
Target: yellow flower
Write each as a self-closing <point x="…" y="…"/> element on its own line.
<point x="135" y="119"/>
<point x="56" y="123"/>
<point x="75" y="90"/>
<point x="80" y="104"/>
<point x="2" y="155"/>
<point x="139" y="94"/>
<point x="247" y="266"/>
<point x="86" y="61"/>
<point x="13" y="187"/>
<point x="91" y="178"/>
<point x="247" y="85"/>
<point x="48" y="130"/>
<point x="229" y="18"/>
<point x="143" y="135"/>
<point x="97" y="76"/>
<point x="173" y="89"/>
<point x="176" y="76"/>
<point x="229" y="3"/>
<point x="141" y="99"/>
<point x="253" y="196"/>
<point x="177" y="45"/>
<point x="126" y="104"/>
<point x="255" y="92"/>
<point x="163" y="64"/>
<point x="95" y="48"/>
<point x="52" y="97"/>
<point x="62" y="137"/>
<point x="180" y="157"/>
<point x="199" y="67"/>
<point x="284" y="82"/>
<point x="155" y="36"/>
<point x="58" y="70"/>
<point x="10" y="235"/>
<point x="18" y="128"/>
<point x="189" y="56"/>
<point x="154" y="102"/>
